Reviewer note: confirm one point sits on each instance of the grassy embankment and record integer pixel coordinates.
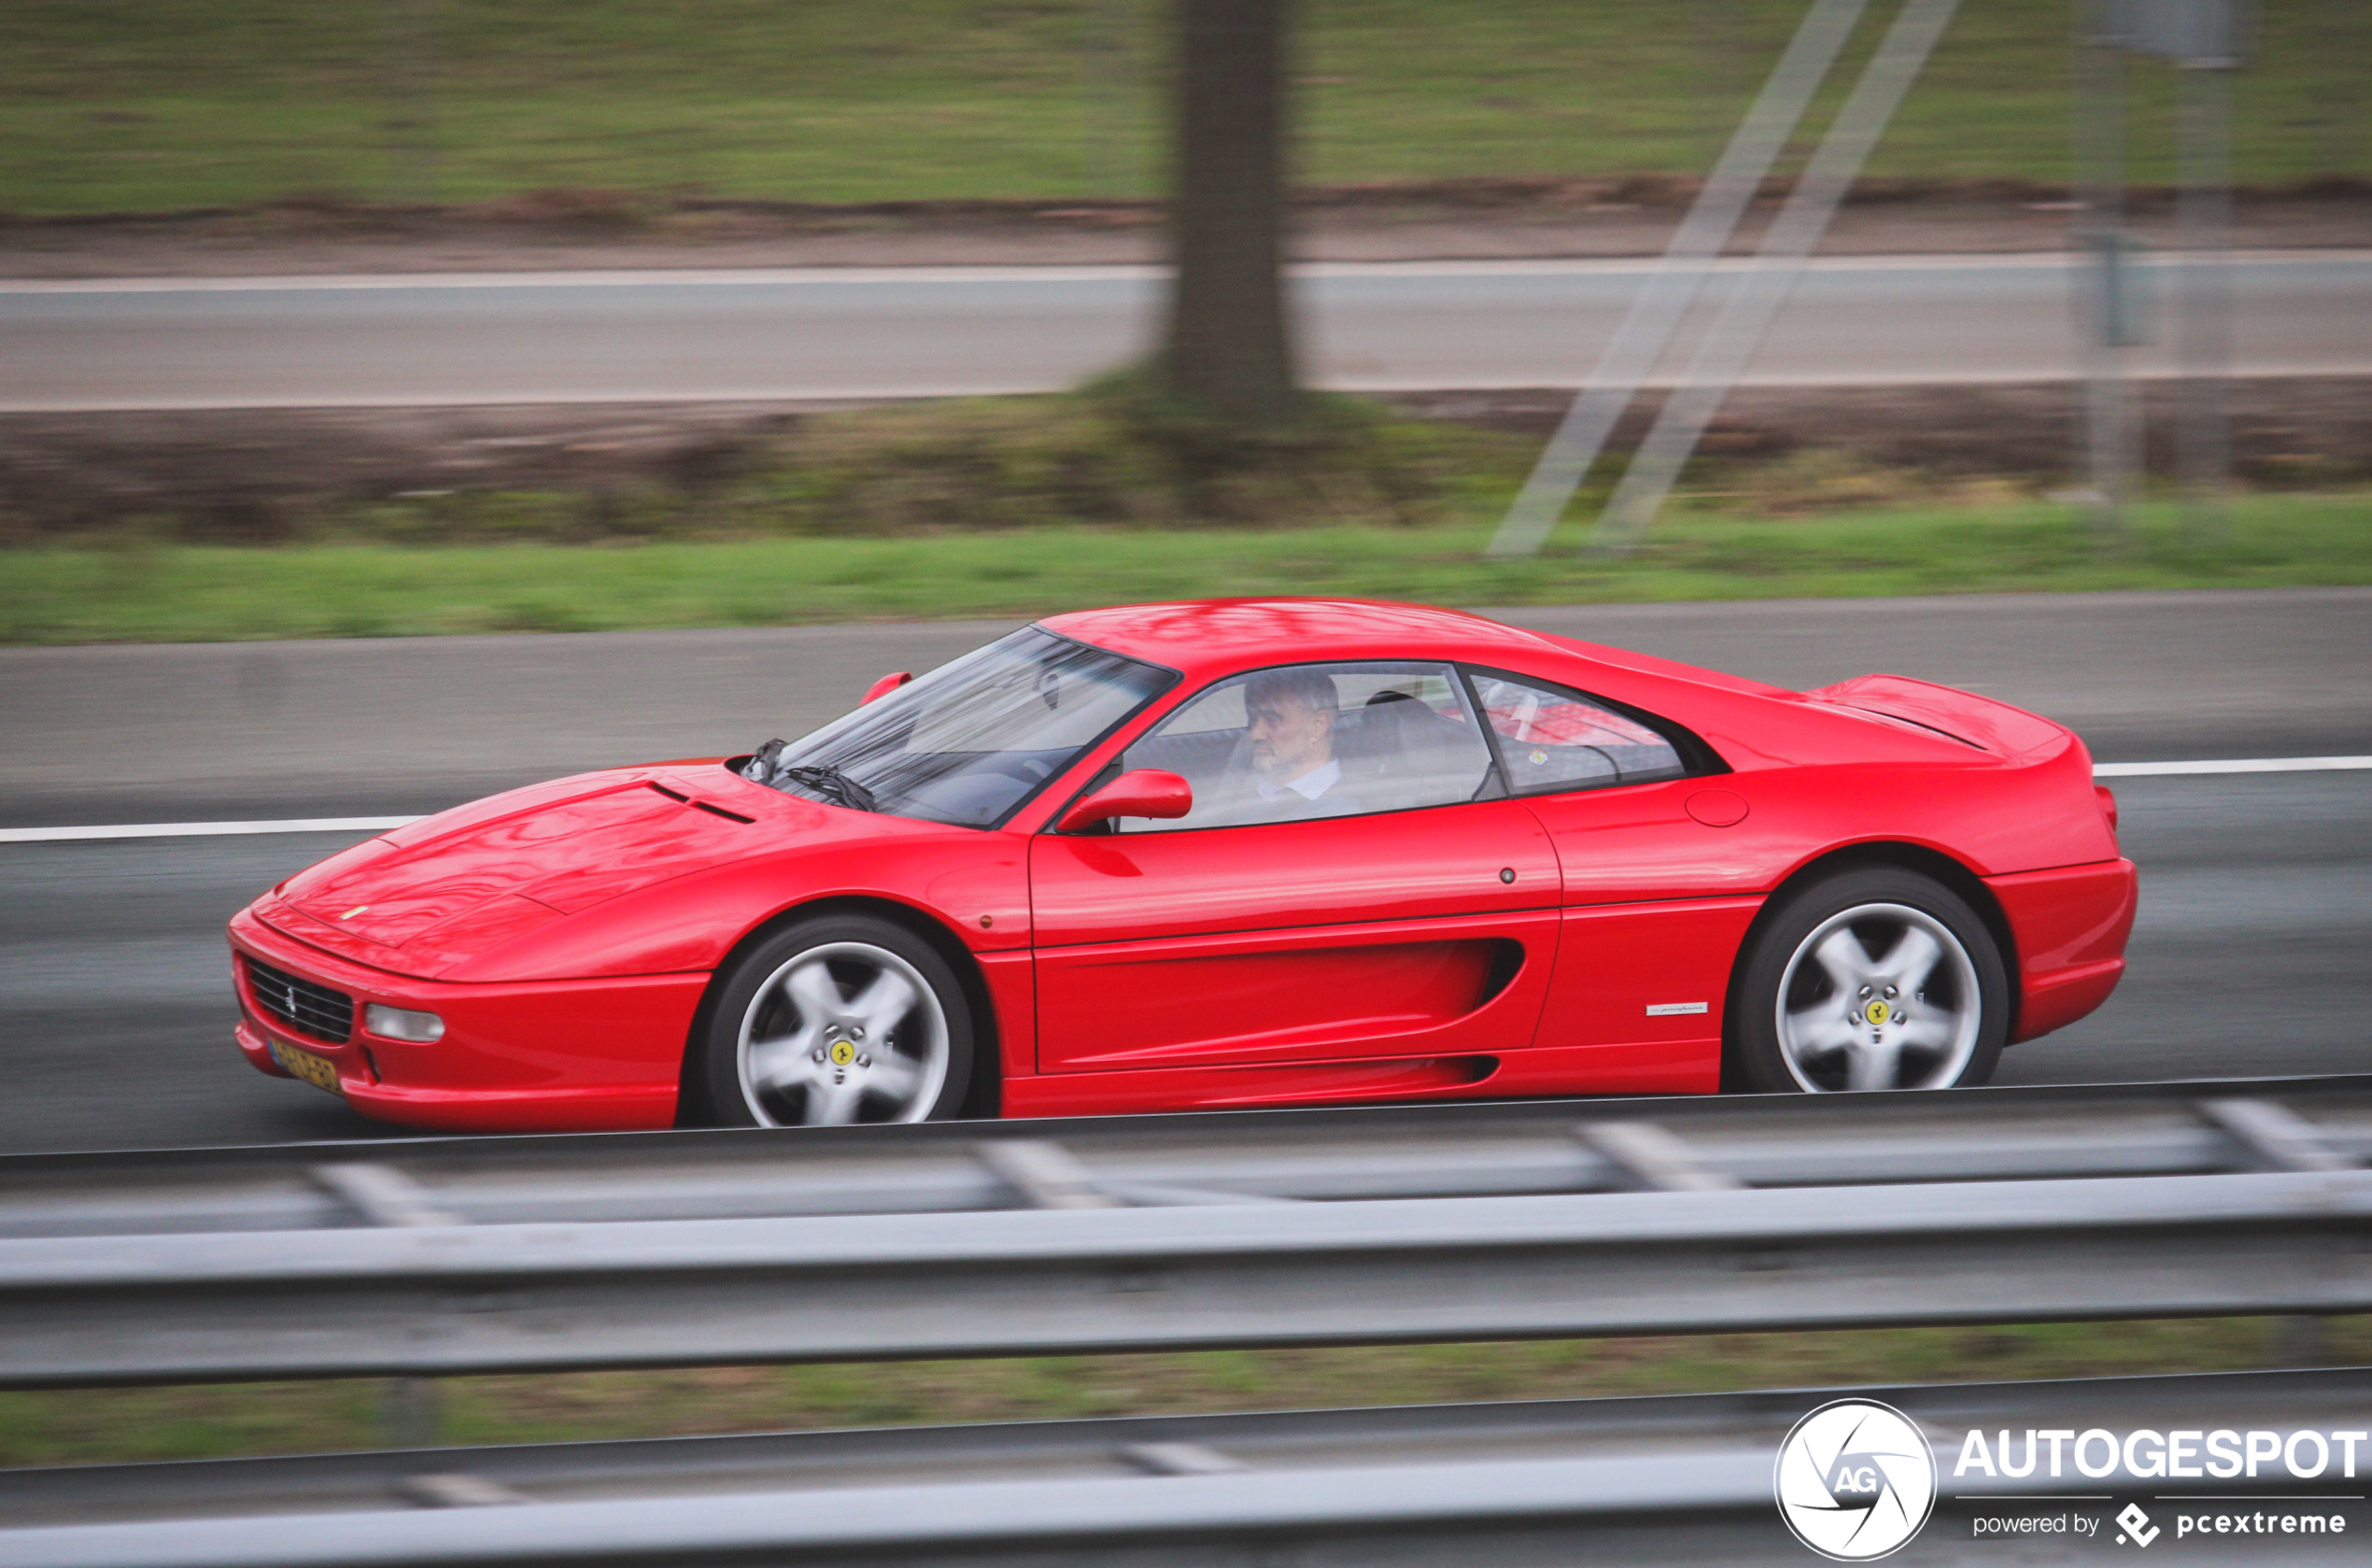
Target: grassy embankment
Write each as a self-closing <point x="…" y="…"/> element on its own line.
<point x="183" y="593"/>
<point x="124" y="1424"/>
<point x="109" y="106"/>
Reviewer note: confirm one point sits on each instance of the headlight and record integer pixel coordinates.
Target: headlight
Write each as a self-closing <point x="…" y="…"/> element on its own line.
<point x="402" y="1023"/>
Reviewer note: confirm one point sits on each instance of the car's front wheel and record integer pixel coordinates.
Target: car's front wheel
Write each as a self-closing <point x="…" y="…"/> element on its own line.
<point x="831" y="1021"/>
<point x="1872" y="978"/>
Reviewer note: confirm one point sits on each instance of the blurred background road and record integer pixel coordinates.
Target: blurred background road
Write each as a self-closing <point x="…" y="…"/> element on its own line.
<point x="825" y="333"/>
<point x="2257" y="890"/>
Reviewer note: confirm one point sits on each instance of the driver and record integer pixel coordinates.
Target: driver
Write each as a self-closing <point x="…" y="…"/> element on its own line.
<point x="1291" y="730"/>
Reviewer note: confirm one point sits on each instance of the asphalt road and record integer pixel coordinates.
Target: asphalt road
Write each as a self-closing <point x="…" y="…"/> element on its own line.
<point x="824" y="333"/>
<point x="235" y="730"/>
<point x="115" y="1010"/>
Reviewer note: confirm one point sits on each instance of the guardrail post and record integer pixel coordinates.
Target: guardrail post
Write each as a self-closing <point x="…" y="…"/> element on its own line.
<point x="1045" y="1174"/>
<point x="2278" y="1138"/>
<point x="1653" y="1159"/>
<point x="410" y="1407"/>
<point x="1181" y="1458"/>
<point x="410" y="1410"/>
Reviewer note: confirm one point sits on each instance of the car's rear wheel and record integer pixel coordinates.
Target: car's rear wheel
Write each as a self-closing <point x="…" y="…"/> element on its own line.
<point x="833" y="1022"/>
<point x="1872" y="978"/>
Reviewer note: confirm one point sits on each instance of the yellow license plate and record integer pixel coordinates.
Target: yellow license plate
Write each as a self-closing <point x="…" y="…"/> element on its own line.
<point x="319" y="1071"/>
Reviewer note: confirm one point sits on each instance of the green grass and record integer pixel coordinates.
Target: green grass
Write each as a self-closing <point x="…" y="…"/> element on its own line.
<point x="114" y="105"/>
<point x="128" y="1424"/>
<point x="196" y="593"/>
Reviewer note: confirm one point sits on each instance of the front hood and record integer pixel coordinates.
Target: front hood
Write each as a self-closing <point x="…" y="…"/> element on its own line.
<point x="466" y="880"/>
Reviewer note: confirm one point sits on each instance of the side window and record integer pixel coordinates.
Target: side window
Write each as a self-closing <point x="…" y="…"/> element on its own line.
<point x="1319" y="739"/>
<point x="1551" y="739"/>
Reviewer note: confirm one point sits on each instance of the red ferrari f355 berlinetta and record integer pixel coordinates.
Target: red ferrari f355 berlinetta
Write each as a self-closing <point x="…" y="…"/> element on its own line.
<point x="1234" y="853"/>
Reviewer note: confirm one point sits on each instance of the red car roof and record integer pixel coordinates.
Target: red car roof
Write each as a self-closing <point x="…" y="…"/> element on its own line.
<point x="1210" y="636"/>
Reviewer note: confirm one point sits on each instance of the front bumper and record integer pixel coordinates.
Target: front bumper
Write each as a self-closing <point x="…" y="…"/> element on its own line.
<point x="587" y="1055"/>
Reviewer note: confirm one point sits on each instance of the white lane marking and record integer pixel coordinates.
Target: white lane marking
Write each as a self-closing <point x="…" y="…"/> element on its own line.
<point x="203" y="829"/>
<point x="1545" y="266"/>
<point x="385" y="823"/>
<point x="2232" y="765"/>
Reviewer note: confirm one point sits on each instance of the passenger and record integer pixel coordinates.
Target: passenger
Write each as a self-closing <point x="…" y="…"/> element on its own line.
<point x="1291" y="715"/>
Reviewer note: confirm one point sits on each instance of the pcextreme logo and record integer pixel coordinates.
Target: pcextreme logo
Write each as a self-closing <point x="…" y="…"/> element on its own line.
<point x="1855" y="1480"/>
<point x="2137" y="1528"/>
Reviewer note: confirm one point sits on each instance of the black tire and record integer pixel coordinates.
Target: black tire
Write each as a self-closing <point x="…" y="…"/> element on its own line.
<point x="1875" y="906"/>
<point x="836" y="1064"/>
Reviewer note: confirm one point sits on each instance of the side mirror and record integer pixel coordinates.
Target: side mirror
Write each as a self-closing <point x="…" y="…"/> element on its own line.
<point x="883" y="686"/>
<point x="1145" y="792"/>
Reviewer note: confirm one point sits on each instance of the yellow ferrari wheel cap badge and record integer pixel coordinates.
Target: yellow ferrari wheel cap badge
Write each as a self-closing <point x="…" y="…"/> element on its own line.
<point x="842" y="1053"/>
<point x="1877" y="1011"/>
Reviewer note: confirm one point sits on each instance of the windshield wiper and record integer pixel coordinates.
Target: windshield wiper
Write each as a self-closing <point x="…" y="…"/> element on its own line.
<point x="833" y="785"/>
<point x="822" y="778"/>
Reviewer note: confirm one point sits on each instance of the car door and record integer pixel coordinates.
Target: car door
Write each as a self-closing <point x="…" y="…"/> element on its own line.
<point x="1655" y="892"/>
<point x="1377" y="895"/>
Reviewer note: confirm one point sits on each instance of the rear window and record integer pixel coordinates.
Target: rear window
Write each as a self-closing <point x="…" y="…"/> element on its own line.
<point x="1551" y="739"/>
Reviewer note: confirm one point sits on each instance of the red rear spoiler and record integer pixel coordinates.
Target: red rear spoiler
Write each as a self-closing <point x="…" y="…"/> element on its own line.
<point x="1960" y="716"/>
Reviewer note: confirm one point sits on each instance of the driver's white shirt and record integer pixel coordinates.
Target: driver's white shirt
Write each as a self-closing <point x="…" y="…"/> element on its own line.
<point x="1309" y="786"/>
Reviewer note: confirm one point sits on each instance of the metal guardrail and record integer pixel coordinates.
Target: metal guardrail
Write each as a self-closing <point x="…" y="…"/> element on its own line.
<point x="1677" y="1478"/>
<point x="1184" y="1233"/>
<point x="1451" y="1150"/>
<point x="1453" y="1221"/>
<point x="525" y="1297"/>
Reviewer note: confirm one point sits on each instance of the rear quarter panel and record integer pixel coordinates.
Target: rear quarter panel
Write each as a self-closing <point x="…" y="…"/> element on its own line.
<point x="1819" y="777"/>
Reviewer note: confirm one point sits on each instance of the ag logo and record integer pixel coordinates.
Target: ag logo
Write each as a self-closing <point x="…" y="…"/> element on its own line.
<point x="1855" y="1480"/>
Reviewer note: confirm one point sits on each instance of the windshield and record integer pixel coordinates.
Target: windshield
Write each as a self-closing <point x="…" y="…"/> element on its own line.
<point x="971" y="740"/>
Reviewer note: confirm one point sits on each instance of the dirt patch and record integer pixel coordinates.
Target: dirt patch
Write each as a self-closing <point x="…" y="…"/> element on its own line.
<point x="256" y="477"/>
<point x="1460" y="220"/>
<point x="2300" y="431"/>
<point x="635" y="470"/>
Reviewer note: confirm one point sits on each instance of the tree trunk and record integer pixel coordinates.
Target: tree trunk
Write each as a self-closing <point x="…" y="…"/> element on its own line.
<point x="1229" y="351"/>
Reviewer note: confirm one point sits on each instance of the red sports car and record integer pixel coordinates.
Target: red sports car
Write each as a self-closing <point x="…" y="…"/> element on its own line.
<point x="1236" y="853"/>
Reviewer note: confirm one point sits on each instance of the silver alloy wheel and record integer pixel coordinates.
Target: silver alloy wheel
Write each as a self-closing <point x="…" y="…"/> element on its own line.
<point x="844" y="1032"/>
<point x="1879" y="997"/>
